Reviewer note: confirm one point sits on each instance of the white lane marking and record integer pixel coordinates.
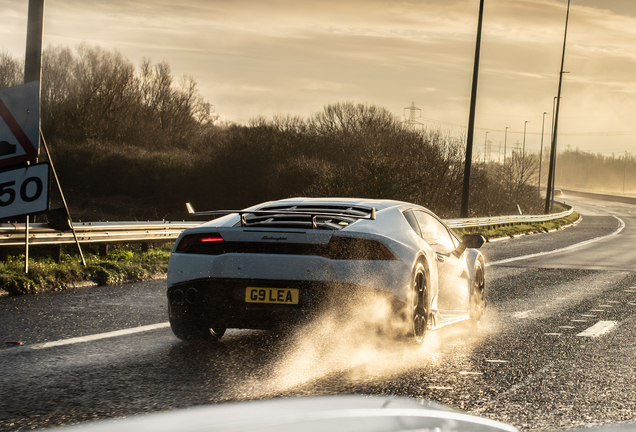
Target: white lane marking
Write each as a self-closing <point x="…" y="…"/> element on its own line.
<point x="439" y="388"/>
<point x="567" y="327"/>
<point x="498" y="239"/>
<point x="523" y="314"/>
<point x="576" y="245"/>
<point x="89" y="337"/>
<point x="574" y="320"/>
<point x="496" y="361"/>
<point x="597" y="329"/>
<point x="606" y="305"/>
<point x="630" y="291"/>
<point x="470" y="373"/>
<point x="588" y="316"/>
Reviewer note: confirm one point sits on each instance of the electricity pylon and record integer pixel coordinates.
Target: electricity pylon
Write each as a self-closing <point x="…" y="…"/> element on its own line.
<point x="411" y="121"/>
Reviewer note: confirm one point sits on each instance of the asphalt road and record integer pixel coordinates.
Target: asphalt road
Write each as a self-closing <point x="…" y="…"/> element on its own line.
<point x="523" y="365"/>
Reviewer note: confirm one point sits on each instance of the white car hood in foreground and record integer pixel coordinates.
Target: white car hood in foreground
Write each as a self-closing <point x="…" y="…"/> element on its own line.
<point x="348" y="413"/>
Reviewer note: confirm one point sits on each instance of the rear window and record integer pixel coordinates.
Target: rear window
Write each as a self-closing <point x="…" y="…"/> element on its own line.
<point x="410" y="217"/>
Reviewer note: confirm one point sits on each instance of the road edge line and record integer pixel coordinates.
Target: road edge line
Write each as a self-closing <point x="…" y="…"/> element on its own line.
<point x="583" y="243"/>
<point x="88" y="338"/>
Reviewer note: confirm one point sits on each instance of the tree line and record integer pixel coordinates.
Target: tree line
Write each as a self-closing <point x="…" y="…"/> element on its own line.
<point x="135" y="143"/>
<point x="596" y="171"/>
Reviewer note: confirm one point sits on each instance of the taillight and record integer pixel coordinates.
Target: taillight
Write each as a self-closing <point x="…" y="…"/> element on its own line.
<point x="192" y="242"/>
<point x="211" y="239"/>
<point x="338" y="248"/>
<point x="358" y="249"/>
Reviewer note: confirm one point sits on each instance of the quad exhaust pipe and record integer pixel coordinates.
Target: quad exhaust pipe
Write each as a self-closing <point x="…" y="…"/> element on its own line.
<point x="190" y="296"/>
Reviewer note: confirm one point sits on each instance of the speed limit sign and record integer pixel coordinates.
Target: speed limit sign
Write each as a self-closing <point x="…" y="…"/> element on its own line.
<point x="24" y="190"/>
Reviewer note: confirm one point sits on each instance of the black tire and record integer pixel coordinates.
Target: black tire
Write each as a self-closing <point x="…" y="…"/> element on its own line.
<point x="478" y="285"/>
<point x="192" y="331"/>
<point x="419" y="303"/>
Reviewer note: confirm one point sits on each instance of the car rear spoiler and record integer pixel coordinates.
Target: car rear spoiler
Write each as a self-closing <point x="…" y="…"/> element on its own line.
<point x="313" y="214"/>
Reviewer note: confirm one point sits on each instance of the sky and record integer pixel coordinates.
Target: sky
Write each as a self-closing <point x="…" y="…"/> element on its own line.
<point x="262" y="58"/>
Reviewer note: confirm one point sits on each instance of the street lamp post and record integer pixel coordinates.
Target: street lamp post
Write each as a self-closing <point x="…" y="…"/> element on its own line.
<point x="523" y="154"/>
<point x="587" y="173"/>
<point x="624" y="170"/>
<point x="463" y="213"/>
<point x="486" y="146"/>
<point x="553" y="111"/>
<point x="551" y="180"/>
<point x="505" y="142"/>
<point x="541" y="154"/>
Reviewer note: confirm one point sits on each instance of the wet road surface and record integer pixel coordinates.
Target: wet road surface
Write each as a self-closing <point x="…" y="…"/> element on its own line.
<point x="523" y="365"/>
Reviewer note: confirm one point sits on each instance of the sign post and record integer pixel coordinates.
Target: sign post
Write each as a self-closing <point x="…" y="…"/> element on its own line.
<point x="33" y="73"/>
<point x="33" y="57"/>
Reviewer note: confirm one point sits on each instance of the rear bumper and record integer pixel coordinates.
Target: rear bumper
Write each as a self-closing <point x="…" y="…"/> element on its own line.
<point x="220" y="302"/>
<point x="392" y="276"/>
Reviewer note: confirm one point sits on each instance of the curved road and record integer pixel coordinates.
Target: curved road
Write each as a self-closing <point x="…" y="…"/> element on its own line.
<point x="524" y="365"/>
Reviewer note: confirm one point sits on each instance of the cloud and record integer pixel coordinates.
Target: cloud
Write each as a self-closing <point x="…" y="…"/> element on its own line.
<point x="257" y="57"/>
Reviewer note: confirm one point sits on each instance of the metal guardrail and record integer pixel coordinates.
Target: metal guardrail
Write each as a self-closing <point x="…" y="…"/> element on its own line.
<point x="120" y="232"/>
<point x="94" y="232"/>
<point x="506" y="220"/>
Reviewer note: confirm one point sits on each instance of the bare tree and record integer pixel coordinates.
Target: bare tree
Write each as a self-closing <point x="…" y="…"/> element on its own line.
<point x="11" y="70"/>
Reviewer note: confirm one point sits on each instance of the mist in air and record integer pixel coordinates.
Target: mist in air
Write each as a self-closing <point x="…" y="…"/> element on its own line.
<point x="348" y="347"/>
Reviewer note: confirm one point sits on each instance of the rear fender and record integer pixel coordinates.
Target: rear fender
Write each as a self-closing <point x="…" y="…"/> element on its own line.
<point x="472" y="255"/>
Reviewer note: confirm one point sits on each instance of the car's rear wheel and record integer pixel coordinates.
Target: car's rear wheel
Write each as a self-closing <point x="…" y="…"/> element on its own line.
<point x="189" y="330"/>
<point x="419" y="303"/>
<point x="477" y="301"/>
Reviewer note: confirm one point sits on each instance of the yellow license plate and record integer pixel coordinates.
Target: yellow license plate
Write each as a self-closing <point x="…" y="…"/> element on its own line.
<point x="271" y="295"/>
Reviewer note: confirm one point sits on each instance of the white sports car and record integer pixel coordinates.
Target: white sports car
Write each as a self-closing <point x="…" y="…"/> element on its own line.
<point x="279" y="261"/>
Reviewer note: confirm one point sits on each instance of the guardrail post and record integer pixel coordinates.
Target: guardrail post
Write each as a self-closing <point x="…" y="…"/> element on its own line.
<point x="4" y="254"/>
<point x="144" y="246"/>
<point x="103" y="249"/>
<point x="56" y="253"/>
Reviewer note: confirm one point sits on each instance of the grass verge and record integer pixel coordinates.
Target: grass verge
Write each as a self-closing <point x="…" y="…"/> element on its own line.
<point x="125" y="264"/>
<point x="129" y="264"/>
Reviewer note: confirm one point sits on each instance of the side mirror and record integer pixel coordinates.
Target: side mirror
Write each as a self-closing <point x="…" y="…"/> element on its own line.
<point x="473" y="241"/>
